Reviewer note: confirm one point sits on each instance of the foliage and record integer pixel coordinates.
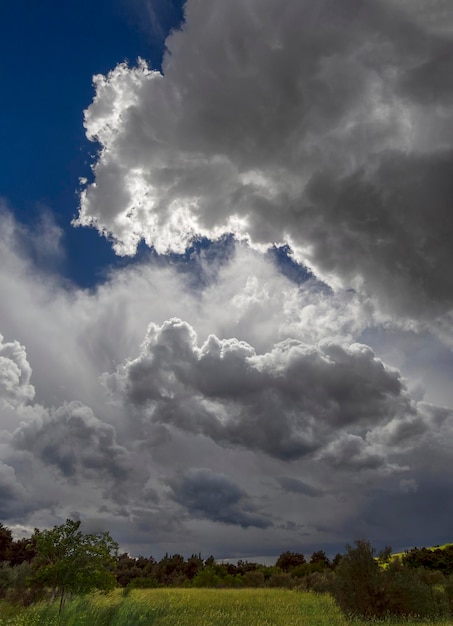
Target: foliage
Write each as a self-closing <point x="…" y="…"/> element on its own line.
<point x="362" y="588"/>
<point x="289" y="560"/>
<point x="15" y="552"/>
<point x="319" y="559"/>
<point x="6" y="539"/>
<point x="66" y="560"/>
<point x="414" y="592"/>
<point x="358" y="587"/>
<point x="71" y="561"/>
<point x="14" y="583"/>
<point x="430" y="558"/>
<point x="144" y="583"/>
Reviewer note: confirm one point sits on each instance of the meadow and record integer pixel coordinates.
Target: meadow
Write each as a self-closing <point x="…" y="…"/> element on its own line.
<point x="189" y="607"/>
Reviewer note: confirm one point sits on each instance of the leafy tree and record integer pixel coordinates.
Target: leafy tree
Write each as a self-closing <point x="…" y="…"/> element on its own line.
<point x="6" y="539"/>
<point x="70" y="561"/>
<point x="319" y="558"/>
<point x="288" y="560"/>
<point x="336" y="560"/>
<point x="22" y="551"/>
<point x="362" y="588"/>
<point x="358" y="587"/>
<point x="193" y="566"/>
<point x="385" y="555"/>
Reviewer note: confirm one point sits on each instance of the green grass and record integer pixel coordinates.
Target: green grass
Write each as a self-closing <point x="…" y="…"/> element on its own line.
<point x="189" y="607"/>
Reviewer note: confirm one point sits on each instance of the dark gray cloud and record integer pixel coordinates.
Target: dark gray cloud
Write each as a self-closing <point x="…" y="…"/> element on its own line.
<point x="12" y="493"/>
<point x="392" y="227"/>
<point x="293" y="485"/>
<point x="209" y="495"/>
<point x="75" y="441"/>
<point x="289" y="402"/>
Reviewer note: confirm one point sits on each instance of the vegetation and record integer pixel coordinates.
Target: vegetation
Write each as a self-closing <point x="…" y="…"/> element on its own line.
<point x="362" y="588"/>
<point x="65" y="563"/>
<point x="196" y="607"/>
<point x="68" y="560"/>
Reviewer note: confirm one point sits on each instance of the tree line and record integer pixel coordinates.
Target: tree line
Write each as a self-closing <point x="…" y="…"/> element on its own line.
<point x="64" y="561"/>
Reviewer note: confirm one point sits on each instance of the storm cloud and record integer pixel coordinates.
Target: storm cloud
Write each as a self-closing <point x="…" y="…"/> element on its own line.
<point x="293" y="401"/>
<point x="207" y="494"/>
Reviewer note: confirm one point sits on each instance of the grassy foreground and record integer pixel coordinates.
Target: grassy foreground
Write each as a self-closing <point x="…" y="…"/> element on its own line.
<point x="188" y="607"/>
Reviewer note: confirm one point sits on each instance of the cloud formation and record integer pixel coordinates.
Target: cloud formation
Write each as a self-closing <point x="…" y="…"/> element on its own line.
<point x="290" y="402"/>
<point x="203" y="399"/>
<point x="75" y="441"/>
<point x="320" y="124"/>
<point x="214" y="496"/>
<point x="15" y="374"/>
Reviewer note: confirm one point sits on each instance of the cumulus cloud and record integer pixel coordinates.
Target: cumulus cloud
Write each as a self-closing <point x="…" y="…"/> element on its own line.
<point x="15" y="374"/>
<point x="75" y="441"/>
<point x="313" y="125"/>
<point x="12" y="493"/>
<point x="289" y="402"/>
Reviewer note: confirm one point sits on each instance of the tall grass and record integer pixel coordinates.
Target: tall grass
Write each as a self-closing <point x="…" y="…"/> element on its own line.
<point x="190" y="607"/>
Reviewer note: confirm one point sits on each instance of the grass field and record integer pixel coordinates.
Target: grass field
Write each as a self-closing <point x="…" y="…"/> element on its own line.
<point x="189" y="607"/>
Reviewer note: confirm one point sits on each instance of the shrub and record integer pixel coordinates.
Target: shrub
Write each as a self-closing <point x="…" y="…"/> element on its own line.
<point x="143" y="583"/>
<point x="415" y="592"/>
<point x="362" y="589"/>
<point x="320" y="582"/>
<point x="281" y="580"/>
<point x="358" y="585"/>
<point x="254" y="579"/>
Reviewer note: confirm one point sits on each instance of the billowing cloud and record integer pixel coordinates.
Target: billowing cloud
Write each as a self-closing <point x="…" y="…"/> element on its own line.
<point x="314" y="125"/>
<point x="75" y="441"/>
<point x="15" y="373"/>
<point x="12" y="493"/>
<point x="289" y="402"/>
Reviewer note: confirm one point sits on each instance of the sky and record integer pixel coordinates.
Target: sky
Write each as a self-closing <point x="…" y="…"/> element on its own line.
<point x="226" y="311"/>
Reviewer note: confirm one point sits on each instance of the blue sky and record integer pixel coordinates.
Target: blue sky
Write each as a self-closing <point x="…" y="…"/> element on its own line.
<point x="245" y="345"/>
<point x="51" y="51"/>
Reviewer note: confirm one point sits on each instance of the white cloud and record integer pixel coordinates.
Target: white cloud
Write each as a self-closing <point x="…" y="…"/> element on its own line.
<point x="325" y="137"/>
<point x="15" y="374"/>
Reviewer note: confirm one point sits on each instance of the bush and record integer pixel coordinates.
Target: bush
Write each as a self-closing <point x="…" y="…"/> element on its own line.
<point x="358" y="586"/>
<point x="254" y="579"/>
<point x="414" y="592"/>
<point x="282" y="580"/>
<point x="320" y="582"/>
<point x="143" y="583"/>
<point x="361" y="588"/>
<point x="15" y="586"/>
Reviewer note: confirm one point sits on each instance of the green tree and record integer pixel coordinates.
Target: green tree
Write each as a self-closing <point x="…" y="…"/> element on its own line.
<point x="385" y="555"/>
<point x="6" y="539"/>
<point x="358" y="587"/>
<point x="320" y="560"/>
<point x="70" y="561"/>
<point x="289" y="560"/>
